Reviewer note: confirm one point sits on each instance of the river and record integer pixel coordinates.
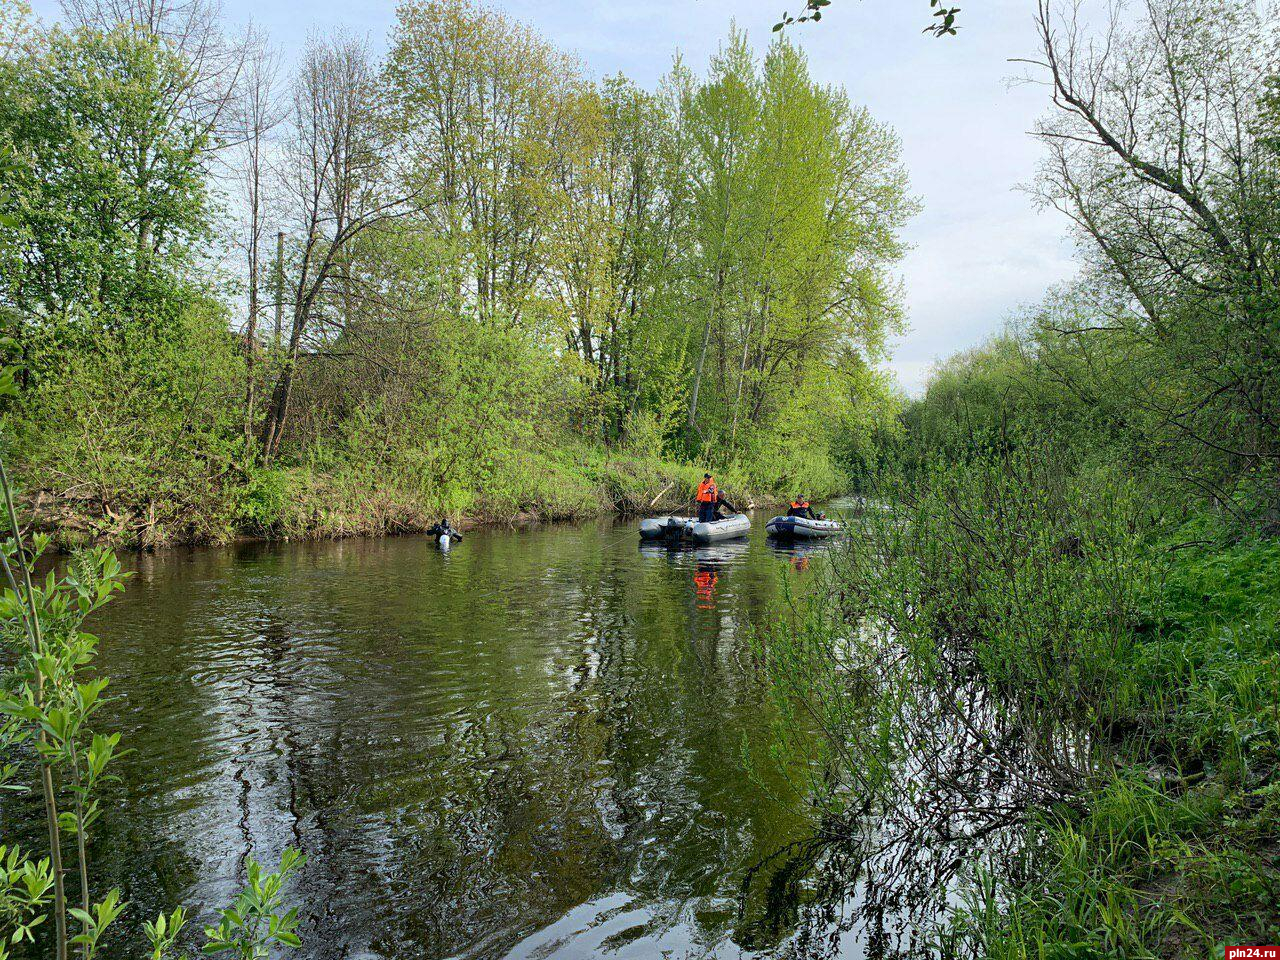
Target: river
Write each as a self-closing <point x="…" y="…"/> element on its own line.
<point x="529" y="747"/>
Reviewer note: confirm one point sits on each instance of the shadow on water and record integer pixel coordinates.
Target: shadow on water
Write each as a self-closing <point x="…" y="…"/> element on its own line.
<point x="529" y="747"/>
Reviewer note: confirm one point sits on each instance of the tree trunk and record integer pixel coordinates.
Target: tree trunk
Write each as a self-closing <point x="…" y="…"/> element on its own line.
<point x="279" y="287"/>
<point x="742" y="375"/>
<point x="251" y="340"/>
<point x="702" y="356"/>
<point x="278" y="411"/>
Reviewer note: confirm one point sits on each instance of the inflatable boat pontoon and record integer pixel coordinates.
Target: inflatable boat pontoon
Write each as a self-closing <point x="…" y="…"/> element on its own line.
<point x="739" y="525"/>
<point x="801" y="528"/>
<point x="659" y="528"/>
<point x="684" y="528"/>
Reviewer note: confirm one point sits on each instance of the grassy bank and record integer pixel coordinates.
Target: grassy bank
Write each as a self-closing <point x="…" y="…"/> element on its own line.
<point x="1173" y="848"/>
<point x="1081" y="680"/>
<point x="334" y="500"/>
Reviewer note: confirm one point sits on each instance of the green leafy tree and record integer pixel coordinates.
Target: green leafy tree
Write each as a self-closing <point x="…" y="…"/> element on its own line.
<point x="110" y="186"/>
<point x="1175" y="199"/>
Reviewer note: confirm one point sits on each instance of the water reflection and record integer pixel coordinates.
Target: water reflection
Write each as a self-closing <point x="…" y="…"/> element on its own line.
<point x="528" y="746"/>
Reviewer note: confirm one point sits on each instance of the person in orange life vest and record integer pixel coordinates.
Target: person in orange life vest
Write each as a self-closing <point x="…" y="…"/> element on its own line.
<point x="800" y="508"/>
<point x="710" y="500"/>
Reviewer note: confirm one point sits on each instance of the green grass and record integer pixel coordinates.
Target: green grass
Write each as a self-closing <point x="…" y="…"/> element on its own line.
<point x="330" y="496"/>
<point x="1177" y="851"/>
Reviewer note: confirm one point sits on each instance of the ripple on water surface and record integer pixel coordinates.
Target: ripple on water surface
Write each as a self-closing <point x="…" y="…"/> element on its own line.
<point x="527" y="747"/>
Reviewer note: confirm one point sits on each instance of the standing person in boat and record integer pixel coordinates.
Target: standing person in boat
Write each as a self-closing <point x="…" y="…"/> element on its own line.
<point x="800" y="508"/>
<point x="710" y="500"/>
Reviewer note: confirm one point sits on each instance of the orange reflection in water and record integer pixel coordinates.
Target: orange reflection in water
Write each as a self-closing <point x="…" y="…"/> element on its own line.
<point x="704" y="584"/>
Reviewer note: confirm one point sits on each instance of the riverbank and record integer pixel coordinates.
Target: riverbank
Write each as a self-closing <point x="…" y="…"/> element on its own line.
<point x="1171" y="848"/>
<point x="311" y="502"/>
<point x="1101" y="750"/>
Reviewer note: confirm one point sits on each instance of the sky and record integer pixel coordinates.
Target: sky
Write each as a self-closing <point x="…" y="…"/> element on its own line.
<point x="980" y="248"/>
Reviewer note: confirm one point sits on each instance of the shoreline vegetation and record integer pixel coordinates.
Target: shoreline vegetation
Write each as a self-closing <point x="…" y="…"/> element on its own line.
<point x="295" y="504"/>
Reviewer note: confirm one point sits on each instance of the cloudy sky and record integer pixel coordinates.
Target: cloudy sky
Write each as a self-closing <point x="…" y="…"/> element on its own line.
<point x="980" y="248"/>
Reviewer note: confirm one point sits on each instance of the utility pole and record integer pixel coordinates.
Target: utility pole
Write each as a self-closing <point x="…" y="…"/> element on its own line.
<point x="279" y="287"/>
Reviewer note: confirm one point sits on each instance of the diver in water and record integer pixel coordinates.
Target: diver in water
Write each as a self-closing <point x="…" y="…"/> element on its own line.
<point x="444" y="532"/>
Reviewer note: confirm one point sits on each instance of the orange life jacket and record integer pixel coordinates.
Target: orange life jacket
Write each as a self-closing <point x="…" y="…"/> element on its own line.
<point x="799" y="504"/>
<point x="707" y="492"/>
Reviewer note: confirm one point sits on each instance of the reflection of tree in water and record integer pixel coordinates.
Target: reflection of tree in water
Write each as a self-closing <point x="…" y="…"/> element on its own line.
<point x="885" y="869"/>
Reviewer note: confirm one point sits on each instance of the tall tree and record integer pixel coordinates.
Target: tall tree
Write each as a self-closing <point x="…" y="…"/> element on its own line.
<point x="258" y="113"/>
<point x="723" y="120"/>
<point x="335" y="160"/>
<point x="486" y="107"/>
<point x="1155" y="153"/>
<point x="111" y="190"/>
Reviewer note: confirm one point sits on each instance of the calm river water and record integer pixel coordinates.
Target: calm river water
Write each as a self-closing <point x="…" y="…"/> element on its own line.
<point x="529" y="747"/>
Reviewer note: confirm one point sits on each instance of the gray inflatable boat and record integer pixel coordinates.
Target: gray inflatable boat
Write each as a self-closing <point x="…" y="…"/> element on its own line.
<point x="686" y="528"/>
<point x="660" y="528"/>
<point x="739" y="525"/>
<point x="802" y="528"/>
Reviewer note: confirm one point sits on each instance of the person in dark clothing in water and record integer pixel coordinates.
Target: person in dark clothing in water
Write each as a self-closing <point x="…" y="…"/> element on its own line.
<point x="443" y="528"/>
<point x="800" y="508"/>
<point x="710" y="500"/>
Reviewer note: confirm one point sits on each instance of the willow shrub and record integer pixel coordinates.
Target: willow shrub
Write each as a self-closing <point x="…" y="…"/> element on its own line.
<point x="974" y="648"/>
<point x="1027" y="664"/>
<point x="134" y="425"/>
<point x="1037" y="572"/>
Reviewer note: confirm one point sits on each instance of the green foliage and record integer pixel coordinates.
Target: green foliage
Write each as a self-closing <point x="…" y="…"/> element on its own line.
<point x="258" y="921"/>
<point x="1174" y="864"/>
<point x="162" y="933"/>
<point x="1216" y="659"/>
<point x="90" y="117"/>
<point x="1176" y="202"/>
<point x="26" y="886"/>
<point x="789" y="277"/>
<point x="94" y="923"/>
<point x="1127" y="669"/>
<point x="136" y="434"/>
<point x="49" y="702"/>
<point x="744" y="194"/>
<point x="264" y="500"/>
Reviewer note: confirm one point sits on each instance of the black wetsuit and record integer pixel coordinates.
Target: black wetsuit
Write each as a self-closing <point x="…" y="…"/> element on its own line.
<point x="710" y="512"/>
